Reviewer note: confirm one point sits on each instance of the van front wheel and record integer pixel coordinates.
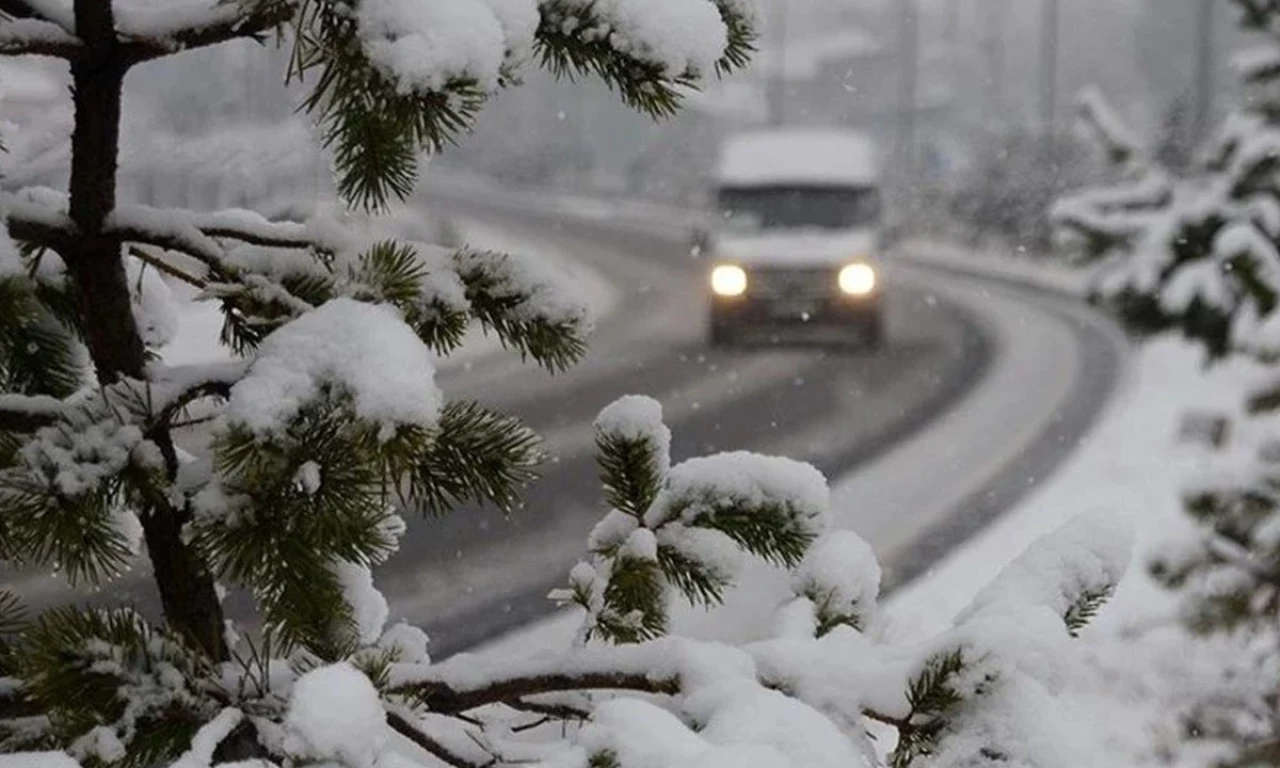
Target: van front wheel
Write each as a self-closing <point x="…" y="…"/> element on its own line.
<point x="873" y="335"/>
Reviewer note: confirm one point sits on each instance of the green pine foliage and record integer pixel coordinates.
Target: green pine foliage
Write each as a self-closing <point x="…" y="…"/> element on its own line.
<point x="1085" y="607"/>
<point x="295" y="500"/>
<point x="932" y="694"/>
<point x="377" y="128"/>
<point x="93" y="460"/>
<point x="38" y="353"/>
<point x="1191" y="248"/>
<point x="661" y="537"/>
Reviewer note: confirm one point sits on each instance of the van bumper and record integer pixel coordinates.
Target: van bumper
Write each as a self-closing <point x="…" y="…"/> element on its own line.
<point x="863" y="314"/>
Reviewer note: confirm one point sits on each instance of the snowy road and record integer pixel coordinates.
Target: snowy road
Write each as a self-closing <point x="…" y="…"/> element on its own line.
<point x="981" y="387"/>
<point x="1028" y="373"/>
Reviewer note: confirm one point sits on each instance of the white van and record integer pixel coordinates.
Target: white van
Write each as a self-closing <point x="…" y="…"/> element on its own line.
<point x="796" y="235"/>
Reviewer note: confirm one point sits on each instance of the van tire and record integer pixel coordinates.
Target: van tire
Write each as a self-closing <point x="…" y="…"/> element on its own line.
<point x="873" y="335"/>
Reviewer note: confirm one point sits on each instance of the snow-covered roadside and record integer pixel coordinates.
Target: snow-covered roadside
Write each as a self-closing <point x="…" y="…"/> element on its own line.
<point x="874" y="497"/>
<point x="1133" y="467"/>
<point x="1046" y="275"/>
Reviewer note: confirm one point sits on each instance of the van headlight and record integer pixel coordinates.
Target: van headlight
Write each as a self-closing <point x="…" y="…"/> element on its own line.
<point x="729" y="280"/>
<point x="857" y="279"/>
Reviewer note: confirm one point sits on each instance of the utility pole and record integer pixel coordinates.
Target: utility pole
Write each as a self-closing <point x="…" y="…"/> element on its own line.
<point x="951" y="30"/>
<point x="1205" y="56"/>
<point x="909" y="49"/>
<point x="994" y="46"/>
<point x="1049" y="67"/>
<point x="777" y="78"/>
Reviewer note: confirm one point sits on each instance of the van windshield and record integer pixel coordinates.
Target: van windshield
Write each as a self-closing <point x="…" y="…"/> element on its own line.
<point x="752" y="209"/>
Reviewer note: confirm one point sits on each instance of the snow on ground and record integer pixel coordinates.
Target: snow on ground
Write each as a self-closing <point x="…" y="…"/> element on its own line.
<point x="1129" y="470"/>
<point x="1132" y="466"/>
<point x="1013" y="265"/>
<point x="870" y="501"/>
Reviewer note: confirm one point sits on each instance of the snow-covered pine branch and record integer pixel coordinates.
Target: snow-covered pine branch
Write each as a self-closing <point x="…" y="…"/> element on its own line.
<point x="413" y="75"/>
<point x="1196" y="253"/>
<point x="37" y="37"/>
<point x="329" y="430"/>
<point x="396" y="78"/>
<point x="245" y="264"/>
<point x="972" y="693"/>
<point x="811" y="687"/>
<point x="1108" y="129"/>
<point x="1258" y="16"/>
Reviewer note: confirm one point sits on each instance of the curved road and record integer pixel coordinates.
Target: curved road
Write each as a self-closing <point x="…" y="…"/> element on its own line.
<point x="954" y="341"/>
<point x="472" y="575"/>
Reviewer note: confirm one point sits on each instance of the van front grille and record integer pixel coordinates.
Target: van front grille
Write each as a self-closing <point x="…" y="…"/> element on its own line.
<point x="773" y="282"/>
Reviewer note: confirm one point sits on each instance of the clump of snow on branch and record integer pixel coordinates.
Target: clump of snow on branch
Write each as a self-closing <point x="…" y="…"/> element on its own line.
<point x="426" y="46"/>
<point x="74" y="460"/>
<point x="1256" y="61"/>
<point x="676" y="35"/>
<point x="705" y="485"/>
<point x="207" y="739"/>
<point x="410" y="644"/>
<point x="368" y="607"/>
<point x="546" y="294"/>
<point x="362" y="350"/>
<point x="839" y="578"/>
<point x="335" y="713"/>
<point x="1086" y="556"/>
<point x="637" y="417"/>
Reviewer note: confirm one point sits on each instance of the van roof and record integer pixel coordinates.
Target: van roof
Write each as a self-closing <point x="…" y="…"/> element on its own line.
<point x="798" y="156"/>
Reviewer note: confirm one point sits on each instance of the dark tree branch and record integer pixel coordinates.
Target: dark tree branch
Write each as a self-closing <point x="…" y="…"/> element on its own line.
<point x="17" y="9"/>
<point x="557" y="711"/>
<point x="20" y="413"/>
<point x="37" y="37"/>
<point x="274" y="240"/>
<point x="234" y="25"/>
<point x="214" y="387"/>
<point x="167" y="268"/>
<point x="21" y="9"/>
<point x="40" y="232"/>
<point x="405" y="728"/>
<point x="202" y="248"/>
<point x="14" y="704"/>
<point x="208" y="254"/>
<point x="441" y="698"/>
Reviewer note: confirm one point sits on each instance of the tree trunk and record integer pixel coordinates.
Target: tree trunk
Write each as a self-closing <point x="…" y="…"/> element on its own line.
<point x="97" y="272"/>
<point x="191" y="604"/>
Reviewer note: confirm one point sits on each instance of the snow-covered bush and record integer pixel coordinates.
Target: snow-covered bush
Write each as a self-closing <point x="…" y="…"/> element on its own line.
<point x="1194" y="250"/>
<point x="1013" y="180"/>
